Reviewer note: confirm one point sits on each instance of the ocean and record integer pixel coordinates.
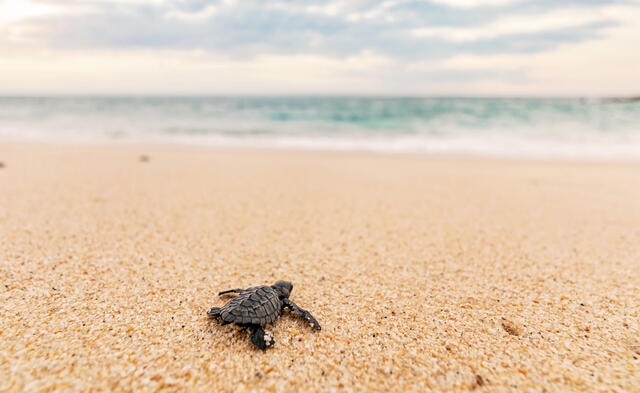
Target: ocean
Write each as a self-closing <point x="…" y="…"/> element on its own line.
<point x="496" y="127"/>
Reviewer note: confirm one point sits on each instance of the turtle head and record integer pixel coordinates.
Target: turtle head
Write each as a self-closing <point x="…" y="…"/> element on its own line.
<point x="283" y="288"/>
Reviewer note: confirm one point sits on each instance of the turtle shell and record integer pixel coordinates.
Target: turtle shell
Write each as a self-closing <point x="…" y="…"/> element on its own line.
<point x="256" y="306"/>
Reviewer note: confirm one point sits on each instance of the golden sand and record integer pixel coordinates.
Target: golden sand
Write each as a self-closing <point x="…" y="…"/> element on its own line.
<point x="425" y="273"/>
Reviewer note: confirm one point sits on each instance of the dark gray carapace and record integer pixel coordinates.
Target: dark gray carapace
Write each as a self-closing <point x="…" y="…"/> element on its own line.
<point x="257" y="306"/>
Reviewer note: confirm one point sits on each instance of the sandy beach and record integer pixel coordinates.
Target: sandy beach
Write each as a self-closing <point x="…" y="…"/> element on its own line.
<point x="425" y="273"/>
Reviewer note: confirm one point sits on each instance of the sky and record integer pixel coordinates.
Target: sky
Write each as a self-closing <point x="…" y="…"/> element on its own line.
<point x="362" y="47"/>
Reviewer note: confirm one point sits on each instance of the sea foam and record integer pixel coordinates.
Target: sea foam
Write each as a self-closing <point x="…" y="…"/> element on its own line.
<point x="503" y="127"/>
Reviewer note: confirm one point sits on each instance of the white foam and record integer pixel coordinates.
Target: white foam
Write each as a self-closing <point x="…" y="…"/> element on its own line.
<point x="519" y="129"/>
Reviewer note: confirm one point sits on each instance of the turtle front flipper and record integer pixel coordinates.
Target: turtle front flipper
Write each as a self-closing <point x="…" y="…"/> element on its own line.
<point x="301" y="312"/>
<point x="260" y="338"/>
<point x="228" y="291"/>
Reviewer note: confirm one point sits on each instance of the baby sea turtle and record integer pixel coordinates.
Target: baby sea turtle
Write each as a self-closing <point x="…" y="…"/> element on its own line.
<point x="257" y="306"/>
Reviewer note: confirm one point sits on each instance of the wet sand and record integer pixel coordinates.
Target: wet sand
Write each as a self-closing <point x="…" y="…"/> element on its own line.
<point x="425" y="273"/>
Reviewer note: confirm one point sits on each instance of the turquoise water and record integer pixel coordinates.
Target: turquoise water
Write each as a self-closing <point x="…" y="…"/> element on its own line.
<point x="496" y="127"/>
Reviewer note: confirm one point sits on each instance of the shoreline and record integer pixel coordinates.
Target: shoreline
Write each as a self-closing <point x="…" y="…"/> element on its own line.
<point x="446" y="156"/>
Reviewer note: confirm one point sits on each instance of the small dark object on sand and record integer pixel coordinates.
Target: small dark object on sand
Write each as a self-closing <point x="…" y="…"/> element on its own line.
<point x="511" y="327"/>
<point x="257" y="306"/>
<point x="1" y="164"/>
<point x="143" y="158"/>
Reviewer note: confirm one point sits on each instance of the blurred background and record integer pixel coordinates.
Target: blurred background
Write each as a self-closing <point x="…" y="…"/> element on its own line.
<point x="532" y="78"/>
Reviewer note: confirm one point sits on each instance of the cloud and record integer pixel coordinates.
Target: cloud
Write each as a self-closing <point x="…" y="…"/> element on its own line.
<point x="16" y="10"/>
<point x="476" y="3"/>
<point x="334" y="46"/>
<point x="513" y="25"/>
<point x="336" y="28"/>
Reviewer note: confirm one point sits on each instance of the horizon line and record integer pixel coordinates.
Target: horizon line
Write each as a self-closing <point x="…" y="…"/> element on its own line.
<point x="629" y="97"/>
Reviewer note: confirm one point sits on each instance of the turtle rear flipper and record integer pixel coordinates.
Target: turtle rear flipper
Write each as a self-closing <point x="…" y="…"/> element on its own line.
<point x="216" y="312"/>
<point x="260" y="338"/>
